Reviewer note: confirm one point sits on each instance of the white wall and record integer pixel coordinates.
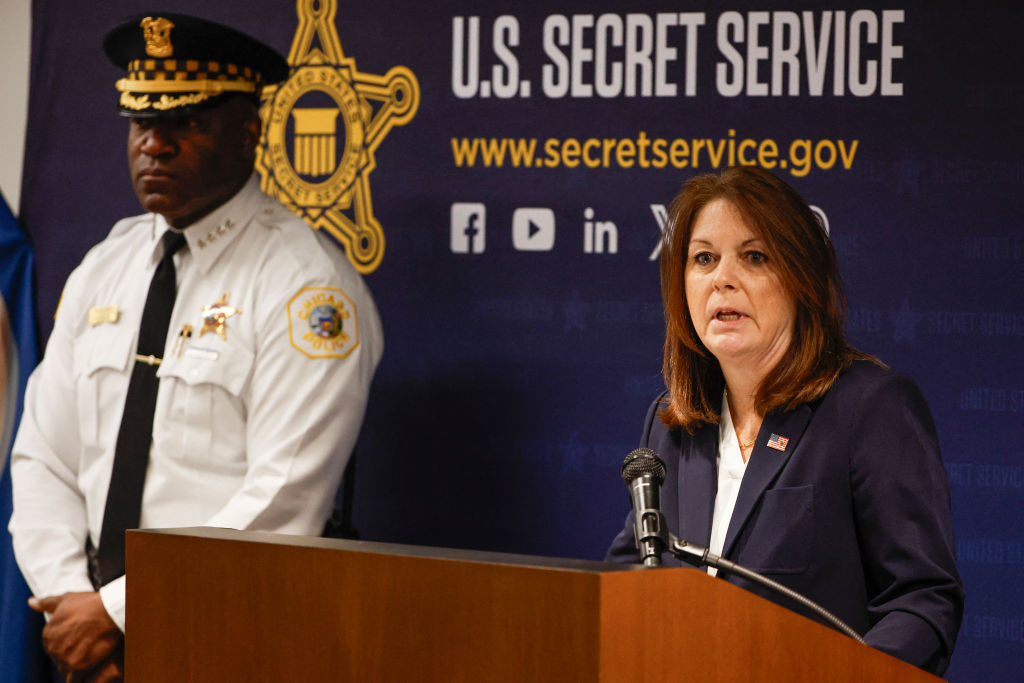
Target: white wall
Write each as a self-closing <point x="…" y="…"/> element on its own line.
<point x="15" y="19"/>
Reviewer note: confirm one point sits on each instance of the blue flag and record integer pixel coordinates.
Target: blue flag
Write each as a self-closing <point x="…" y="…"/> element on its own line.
<point x="21" y="655"/>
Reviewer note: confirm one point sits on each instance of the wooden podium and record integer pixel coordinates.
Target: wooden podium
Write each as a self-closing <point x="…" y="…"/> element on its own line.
<point x="222" y="606"/>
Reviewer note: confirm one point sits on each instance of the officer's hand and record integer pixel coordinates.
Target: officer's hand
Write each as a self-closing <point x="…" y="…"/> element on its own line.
<point x="109" y="670"/>
<point x="80" y="633"/>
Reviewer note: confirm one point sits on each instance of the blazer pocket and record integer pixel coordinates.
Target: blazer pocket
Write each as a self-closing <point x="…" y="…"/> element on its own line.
<point x="781" y="539"/>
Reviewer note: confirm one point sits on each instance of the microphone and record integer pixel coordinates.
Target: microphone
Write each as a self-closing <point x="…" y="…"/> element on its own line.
<point x="644" y="472"/>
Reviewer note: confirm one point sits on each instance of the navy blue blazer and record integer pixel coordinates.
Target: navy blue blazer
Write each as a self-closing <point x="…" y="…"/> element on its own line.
<point x="854" y="513"/>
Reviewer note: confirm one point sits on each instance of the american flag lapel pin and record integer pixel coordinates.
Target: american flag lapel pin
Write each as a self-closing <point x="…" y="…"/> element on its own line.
<point x="777" y="442"/>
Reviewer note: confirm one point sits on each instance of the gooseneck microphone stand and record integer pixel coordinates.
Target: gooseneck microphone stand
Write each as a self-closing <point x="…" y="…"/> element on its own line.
<point x="644" y="472"/>
<point x="700" y="556"/>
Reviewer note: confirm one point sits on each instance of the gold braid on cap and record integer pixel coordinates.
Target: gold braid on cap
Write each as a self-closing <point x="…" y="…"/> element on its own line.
<point x="199" y="85"/>
<point x="197" y="80"/>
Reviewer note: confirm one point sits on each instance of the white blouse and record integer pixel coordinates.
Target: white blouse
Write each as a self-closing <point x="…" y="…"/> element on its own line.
<point x="730" y="475"/>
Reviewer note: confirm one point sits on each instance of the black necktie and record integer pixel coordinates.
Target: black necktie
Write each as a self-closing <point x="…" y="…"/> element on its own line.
<point x="131" y="455"/>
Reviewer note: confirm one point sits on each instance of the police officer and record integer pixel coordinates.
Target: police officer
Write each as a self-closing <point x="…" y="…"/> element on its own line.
<point x="210" y="359"/>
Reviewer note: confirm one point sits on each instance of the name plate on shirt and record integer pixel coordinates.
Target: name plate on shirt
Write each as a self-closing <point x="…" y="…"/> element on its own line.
<point x="103" y="314"/>
<point x="202" y="353"/>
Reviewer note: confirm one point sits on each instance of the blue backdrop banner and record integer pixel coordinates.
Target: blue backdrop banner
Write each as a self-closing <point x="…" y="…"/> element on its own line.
<point x="501" y="177"/>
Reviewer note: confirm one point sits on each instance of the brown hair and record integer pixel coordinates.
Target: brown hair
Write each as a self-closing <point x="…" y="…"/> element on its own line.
<point x="803" y="258"/>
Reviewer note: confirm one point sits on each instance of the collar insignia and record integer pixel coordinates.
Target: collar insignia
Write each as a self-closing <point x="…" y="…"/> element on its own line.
<point x="211" y="236"/>
<point x="216" y="316"/>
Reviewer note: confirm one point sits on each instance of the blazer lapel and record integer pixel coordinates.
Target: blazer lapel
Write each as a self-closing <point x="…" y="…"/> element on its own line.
<point x="765" y="464"/>
<point x="697" y="485"/>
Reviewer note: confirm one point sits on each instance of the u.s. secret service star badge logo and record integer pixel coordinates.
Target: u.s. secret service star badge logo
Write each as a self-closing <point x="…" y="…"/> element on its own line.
<point x="322" y="322"/>
<point x="321" y="128"/>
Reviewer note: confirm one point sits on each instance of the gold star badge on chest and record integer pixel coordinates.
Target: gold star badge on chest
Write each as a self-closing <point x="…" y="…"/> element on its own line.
<point x="216" y="316"/>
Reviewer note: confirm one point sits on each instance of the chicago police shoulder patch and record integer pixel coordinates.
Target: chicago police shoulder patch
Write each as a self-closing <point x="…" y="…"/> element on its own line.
<point x="322" y="322"/>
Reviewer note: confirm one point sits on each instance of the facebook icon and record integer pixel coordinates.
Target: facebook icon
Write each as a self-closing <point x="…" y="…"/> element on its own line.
<point x="468" y="228"/>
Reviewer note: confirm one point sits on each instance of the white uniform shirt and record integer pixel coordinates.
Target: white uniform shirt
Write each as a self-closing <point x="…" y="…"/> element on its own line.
<point x="252" y="430"/>
<point x="730" y="476"/>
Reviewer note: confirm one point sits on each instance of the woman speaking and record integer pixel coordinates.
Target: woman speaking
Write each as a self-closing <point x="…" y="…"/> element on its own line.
<point x="787" y="450"/>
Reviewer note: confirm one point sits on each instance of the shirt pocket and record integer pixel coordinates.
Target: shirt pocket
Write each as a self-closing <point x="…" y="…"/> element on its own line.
<point x="201" y="410"/>
<point x="781" y="539"/>
<point x="101" y="366"/>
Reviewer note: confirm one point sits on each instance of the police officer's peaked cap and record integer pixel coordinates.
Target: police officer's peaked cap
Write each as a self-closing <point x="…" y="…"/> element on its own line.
<point x="177" y="64"/>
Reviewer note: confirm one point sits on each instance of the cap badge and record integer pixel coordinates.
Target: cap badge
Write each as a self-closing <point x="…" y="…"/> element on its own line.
<point x="216" y="316"/>
<point x="157" y="33"/>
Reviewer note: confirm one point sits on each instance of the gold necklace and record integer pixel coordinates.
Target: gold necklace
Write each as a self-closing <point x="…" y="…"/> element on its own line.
<point x="743" y="446"/>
